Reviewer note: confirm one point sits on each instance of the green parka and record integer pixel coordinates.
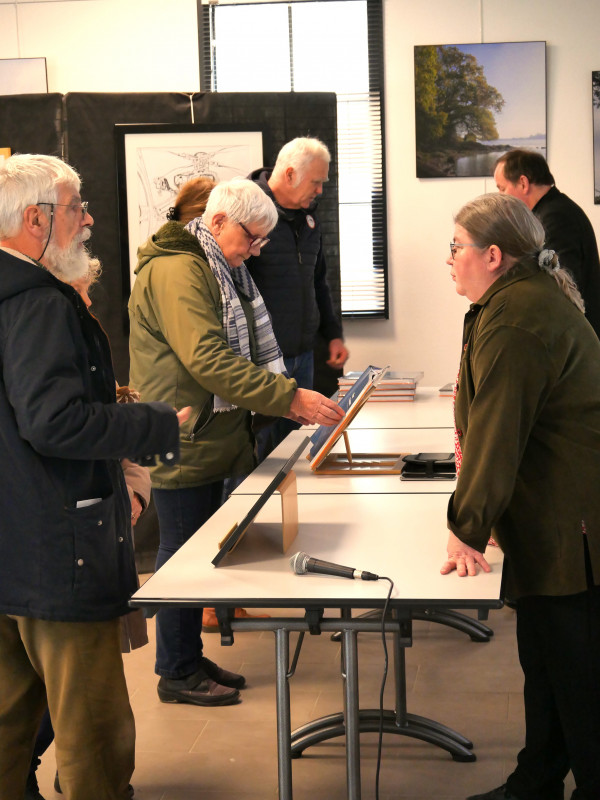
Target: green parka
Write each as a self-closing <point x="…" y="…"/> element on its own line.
<point x="179" y="354"/>
<point x="528" y="420"/>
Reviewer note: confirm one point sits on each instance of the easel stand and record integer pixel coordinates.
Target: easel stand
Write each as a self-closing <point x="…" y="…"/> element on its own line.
<point x="350" y="463"/>
<point x="288" y="490"/>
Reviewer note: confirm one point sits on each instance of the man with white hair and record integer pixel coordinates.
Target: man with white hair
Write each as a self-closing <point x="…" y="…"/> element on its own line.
<point x="67" y="568"/>
<point x="290" y="269"/>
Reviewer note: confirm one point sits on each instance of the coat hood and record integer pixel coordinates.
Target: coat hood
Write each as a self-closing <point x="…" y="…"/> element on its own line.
<point x="171" y="238"/>
<point x="18" y="275"/>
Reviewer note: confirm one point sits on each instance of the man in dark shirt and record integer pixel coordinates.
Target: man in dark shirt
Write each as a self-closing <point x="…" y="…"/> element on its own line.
<point x="290" y="271"/>
<point x="525" y="174"/>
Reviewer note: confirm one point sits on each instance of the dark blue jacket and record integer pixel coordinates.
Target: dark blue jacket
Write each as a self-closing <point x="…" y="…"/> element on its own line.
<point x="291" y="275"/>
<point x="62" y="436"/>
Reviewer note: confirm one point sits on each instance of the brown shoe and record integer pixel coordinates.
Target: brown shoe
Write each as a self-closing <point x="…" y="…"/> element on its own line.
<point x="210" y="624"/>
<point x="223" y="676"/>
<point x="196" y="689"/>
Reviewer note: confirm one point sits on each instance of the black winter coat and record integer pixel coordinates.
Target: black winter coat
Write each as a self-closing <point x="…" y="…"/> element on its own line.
<point x="62" y="436"/>
<point x="291" y="275"/>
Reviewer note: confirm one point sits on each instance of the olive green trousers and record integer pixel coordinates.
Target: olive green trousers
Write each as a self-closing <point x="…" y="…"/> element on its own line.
<point x="76" y="668"/>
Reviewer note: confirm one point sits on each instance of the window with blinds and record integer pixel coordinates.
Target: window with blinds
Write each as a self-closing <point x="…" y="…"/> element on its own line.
<point x="319" y="45"/>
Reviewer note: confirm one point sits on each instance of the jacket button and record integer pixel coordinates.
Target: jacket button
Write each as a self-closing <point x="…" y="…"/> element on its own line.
<point x="92" y="369"/>
<point x="120" y="538"/>
<point x="459" y="432"/>
<point x="99" y="522"/>
<point x="80" y="562"/>
<point x="169" y="456"/>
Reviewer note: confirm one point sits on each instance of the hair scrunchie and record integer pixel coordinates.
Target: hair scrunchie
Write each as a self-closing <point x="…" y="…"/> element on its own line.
<point x="547" y="260"/>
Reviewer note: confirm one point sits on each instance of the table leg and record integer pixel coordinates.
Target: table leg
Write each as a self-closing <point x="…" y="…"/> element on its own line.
<point x="399" y="721"/>
<point x="351" y="713"/>
<point x="284" y="727"/>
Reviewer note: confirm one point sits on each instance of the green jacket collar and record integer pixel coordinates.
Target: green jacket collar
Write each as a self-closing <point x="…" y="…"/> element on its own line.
<point x="521" y="271"/>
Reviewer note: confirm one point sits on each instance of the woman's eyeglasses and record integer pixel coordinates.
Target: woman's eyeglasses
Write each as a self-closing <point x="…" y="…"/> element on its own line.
<point x="255" y="241"/>
<point x="454" y="246"/>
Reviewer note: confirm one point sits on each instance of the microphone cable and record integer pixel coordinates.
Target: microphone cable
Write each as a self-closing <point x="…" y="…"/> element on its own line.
<point x="383" y="682"/>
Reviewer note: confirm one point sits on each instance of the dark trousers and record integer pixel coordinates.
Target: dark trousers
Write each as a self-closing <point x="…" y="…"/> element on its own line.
<point x="559" y="651"/>
<point x="302" y="369"/>
<point x="178" y="630"/>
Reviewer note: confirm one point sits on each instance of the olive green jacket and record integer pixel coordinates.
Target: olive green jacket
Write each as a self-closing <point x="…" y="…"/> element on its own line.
<point x="528" y="420"/>
<point x="179" y="354"/>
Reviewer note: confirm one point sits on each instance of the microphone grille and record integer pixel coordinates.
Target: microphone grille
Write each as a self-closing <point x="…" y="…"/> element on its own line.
<point x="298" y="563"/>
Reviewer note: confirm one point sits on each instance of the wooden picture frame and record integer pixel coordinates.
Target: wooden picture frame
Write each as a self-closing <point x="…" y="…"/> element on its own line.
<point x="284" y="482"/>
<point x="325" y="437"/>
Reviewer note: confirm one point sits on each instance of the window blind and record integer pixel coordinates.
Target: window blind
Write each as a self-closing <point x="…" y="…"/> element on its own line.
<point x="319" y="45"/>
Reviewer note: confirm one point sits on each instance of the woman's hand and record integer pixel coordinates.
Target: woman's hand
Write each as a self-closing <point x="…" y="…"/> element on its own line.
<point x="310" y="407"/>
<point x="463" y="559"/>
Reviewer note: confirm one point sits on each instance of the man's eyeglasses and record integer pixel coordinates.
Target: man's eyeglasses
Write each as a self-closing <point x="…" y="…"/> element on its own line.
<point x="255" y="241"/>
<point x="454" y="246"/>
<point x="75" y="207"/>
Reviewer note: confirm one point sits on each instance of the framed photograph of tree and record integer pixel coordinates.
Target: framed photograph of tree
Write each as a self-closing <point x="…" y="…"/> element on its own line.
<point x="596" y="117"/>
<point x="475" y="101"/>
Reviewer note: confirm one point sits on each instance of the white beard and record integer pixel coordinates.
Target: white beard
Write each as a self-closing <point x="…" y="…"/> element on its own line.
<point x="68" y="263"/>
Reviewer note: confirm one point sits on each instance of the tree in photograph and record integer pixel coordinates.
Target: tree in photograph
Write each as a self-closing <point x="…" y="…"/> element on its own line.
<point x="454" y="101"/>
<point x="431" y="122"/>
<point x="466" y="96"/>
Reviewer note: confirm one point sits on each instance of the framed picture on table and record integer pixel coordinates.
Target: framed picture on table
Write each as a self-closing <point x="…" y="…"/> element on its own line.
<point x="326" y="436"/>
<point x="155" y="160"/>
<point x="234" y="536"/>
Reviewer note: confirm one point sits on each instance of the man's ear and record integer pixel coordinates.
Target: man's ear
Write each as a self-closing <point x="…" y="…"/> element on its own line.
<point x="35" y="222"/>
<point x="290" y="176"/>
<point x="524" y="183"/>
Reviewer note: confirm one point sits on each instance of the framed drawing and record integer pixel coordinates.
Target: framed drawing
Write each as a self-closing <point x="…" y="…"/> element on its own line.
<point x="596" y="118"/>
<point x="235" y="534"/>
<point x="154" y="161"/>
<point x="473" y="102"/>
<point x="325" y="437"/>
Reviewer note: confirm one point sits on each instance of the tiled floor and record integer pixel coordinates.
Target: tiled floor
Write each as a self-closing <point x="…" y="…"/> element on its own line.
<point x="191" y="753"/>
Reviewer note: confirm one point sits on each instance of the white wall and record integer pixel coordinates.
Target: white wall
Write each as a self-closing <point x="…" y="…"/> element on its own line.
<point x="151" y="45"/>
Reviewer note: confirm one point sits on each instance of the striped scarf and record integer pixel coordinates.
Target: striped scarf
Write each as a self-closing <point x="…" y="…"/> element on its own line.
<point x="233" y="282"/>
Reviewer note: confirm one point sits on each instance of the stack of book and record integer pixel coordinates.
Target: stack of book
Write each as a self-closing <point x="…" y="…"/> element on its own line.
<point x="394" y="387"/>
<point x="447" y="390"/>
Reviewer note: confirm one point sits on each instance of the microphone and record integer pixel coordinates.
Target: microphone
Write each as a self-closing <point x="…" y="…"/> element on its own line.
<point x="301" y="563"/>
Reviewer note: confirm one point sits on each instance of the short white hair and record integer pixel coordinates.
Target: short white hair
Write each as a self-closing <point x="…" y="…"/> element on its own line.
<point x="242" y="201"/>
<point x="298" y="154"/>
<point x="26" y="180"/>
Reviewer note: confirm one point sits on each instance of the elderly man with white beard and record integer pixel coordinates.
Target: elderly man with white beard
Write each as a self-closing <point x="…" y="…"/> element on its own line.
<point x="67" y="567"/>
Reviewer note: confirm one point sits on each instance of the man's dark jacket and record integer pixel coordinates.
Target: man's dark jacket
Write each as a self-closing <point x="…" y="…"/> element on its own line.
<point x="291" y="275"/>
<point x="570" y="233"/>
<point x="62" y="436"/>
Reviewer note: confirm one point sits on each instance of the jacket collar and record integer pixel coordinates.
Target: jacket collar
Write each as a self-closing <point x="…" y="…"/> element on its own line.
<point x="521" y="271"/>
